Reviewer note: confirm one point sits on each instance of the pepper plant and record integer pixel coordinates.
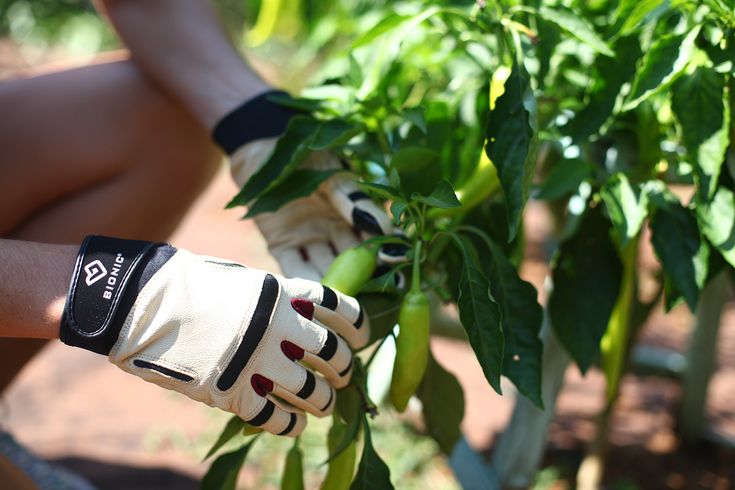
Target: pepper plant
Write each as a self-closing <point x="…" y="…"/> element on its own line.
<point x="617" y="113"/>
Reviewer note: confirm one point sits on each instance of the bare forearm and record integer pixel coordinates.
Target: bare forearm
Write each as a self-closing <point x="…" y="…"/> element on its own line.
<point x="34" y="279"/>
<point x="183" y="47"/>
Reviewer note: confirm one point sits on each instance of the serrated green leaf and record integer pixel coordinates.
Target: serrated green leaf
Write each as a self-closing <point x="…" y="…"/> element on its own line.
<point x="717" y="222"/>
<point x="333" y="133"/>
<point x="480" y="315"/>
<point x="442" y="197"/>
<point x="299" y="183"/>
<point x="512" y="143"/>
<point x="575" y="24"/>
<point x="222" y="475"/>
<point x="291" y="149"/>
<point x="522" y="318"/>
<point x="442" y="402"/>
<point x="682" y="252"/>
<point x="587" y="277"/>
<point x="564" y="179"/>
<point x="700" y="106"/>
<point x="234" y="427"/>
<point x="627" y="206"/>
<point x="372" y="472"/>
<point x="661" y="64"/>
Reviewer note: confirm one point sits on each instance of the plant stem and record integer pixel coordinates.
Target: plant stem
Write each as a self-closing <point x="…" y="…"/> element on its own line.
<point x="416" y="272"/>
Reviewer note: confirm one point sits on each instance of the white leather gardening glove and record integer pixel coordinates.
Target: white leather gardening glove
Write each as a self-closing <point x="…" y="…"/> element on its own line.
<point x="305" y="235"/>
<point x="219" y="332"/>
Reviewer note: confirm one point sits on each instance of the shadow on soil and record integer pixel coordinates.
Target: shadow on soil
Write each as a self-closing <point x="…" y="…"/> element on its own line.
<point x="108" y="476"/>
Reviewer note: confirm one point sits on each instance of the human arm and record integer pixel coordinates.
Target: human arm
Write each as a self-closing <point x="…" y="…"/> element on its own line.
<point x="182" y="46"/>
<point x="219" y="332"/>
<point x="34" y="280"/>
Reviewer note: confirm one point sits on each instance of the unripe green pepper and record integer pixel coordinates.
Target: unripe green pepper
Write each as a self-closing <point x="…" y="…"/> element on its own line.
<point x="349" y="272"/>
<point x="293" y="473"/>
<point x="342" y="467"/>
<point x="412" y="343"/>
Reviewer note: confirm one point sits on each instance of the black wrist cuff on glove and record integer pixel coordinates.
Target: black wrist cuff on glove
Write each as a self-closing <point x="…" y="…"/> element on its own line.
<point x="258" y="118"/>
<point x="108" y="275"/>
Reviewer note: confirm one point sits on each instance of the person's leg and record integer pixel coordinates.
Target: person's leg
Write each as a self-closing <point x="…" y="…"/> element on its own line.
<point x="94" y="150"/>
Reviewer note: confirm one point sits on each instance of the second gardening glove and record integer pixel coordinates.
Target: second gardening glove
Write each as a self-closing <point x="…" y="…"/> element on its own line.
<point x="305" y="235"/>
<point x="219" y="332"/>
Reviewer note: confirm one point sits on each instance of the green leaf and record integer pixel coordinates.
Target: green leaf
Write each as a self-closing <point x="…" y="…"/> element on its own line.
<point x="575" y="24"/>
<point x="564" y="179"/>
<point x="587" y="276"/>
<point x="352" y="428"/>
<point x="234" y="427"/>
<point x="522" y="317"/>
<point x="717" y="222"/>
<point x="392" y="22"/>
<point x="372" y="472"/>
<point x="382" y="310"/>
<point x="662" y="63"/>
<point x="299" y="183"/>
<point x="512" y="143"/>
<point x="480" y="314"/>
<point x="442" y="197"/>
<point x="333" y="133"/>
<point x="682" y="252"/>
<point x="291" y="149"/>
<point x="396" y="209"/>
<point x="632" y="13"/>
<point x="417" y="117"/>
<point x="627" y="206"/>
<point x="298" y="103"/>
<point x="418" y="169"/>
<point x="702" y="110"/>
<point x="222" y="475"/>
<point x="381" y="190"/>
<point x="610" y="74"/>
<point x="442" y="402"/>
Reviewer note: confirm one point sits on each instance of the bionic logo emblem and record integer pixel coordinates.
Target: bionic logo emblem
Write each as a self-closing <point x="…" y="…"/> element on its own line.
<point x="95" y="271"/>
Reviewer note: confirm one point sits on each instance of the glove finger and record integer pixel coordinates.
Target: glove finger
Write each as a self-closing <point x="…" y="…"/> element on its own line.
<point x="274" y="418"/>
<point x="320" y="255"/>
<point x="296" y="385"/>
<point x="357" y="208"/>
<point x="393" y="253"/>
<point x="326" y="352"/>
<point x="295" y="263"/>
<point x="344" y="238"/>
<point x="338" y="312"/>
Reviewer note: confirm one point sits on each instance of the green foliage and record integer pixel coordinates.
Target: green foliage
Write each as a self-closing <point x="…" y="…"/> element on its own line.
<point x="439" y="109"/>
<point x="587" y="277"/>
<point x="222" y="475"/>
<point x="512" y="143"/>
<point x="372" y="472"/>
<point x="442" y="405"/>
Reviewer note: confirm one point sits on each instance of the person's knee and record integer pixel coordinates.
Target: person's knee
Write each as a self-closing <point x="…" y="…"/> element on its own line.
<point x="176" y="151"/>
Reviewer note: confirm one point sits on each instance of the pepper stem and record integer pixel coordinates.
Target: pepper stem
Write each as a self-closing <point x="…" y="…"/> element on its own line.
<point x="416" y="273"/>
